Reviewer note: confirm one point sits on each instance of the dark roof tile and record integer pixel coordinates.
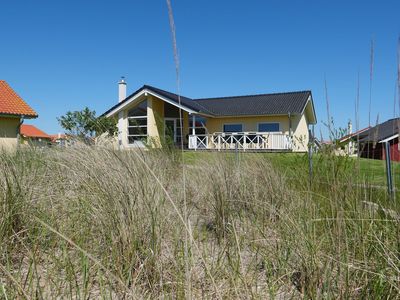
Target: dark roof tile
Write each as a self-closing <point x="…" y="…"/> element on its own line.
<point x="263" y="104"/>
<point x="381" y="131"/>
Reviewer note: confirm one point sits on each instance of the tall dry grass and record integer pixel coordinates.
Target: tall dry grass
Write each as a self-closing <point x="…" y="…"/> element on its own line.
<point x="95" y="223"/>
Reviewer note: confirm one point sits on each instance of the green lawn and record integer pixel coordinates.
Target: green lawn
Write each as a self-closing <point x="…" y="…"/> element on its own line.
<point x="366" y="170"/>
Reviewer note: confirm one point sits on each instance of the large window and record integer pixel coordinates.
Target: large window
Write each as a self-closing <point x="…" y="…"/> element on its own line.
<point x="137" y="123"/>
<point x="233" y="128"/>
<point x="268" y="127"/>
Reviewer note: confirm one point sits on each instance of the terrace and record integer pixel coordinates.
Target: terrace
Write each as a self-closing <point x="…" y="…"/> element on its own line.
<point x="241" y="141"/>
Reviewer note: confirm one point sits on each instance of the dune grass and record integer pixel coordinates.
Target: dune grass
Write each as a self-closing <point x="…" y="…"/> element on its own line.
<point x="96" y="223"/>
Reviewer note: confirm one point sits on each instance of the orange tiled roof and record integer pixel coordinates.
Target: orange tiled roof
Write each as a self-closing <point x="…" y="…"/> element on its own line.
<point x="12" y="104"/>
<point x="32" y="131"/>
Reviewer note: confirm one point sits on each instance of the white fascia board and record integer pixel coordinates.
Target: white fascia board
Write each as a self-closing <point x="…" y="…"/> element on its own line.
<point x="190" y="111"/>
<point x="389" y="138"/>
<point x="309" y="100"/>
<point x="121" y="107"/>
<point x="145" y="92"/>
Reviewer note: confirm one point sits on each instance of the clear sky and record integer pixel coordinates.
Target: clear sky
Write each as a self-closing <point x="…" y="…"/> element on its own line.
<point x="65" y="55"/>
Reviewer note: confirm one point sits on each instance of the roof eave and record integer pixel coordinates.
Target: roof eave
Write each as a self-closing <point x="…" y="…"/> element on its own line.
<point x="253" y="115"/>
<point x="18" y="116"/>
<point x="388" y="139"/>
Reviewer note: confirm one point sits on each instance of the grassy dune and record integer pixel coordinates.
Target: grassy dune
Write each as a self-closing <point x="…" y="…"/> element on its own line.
<point x="94" y="223"/>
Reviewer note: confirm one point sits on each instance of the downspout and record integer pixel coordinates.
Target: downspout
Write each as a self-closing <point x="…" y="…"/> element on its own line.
<point x="21" y="121"/>
<point x="290" y="130"/>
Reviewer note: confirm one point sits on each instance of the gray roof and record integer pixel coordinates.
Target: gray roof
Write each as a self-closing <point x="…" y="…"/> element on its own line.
<point x="185" y="101"/>
<point x="381" y="131"/>
<point x="264" y="104"/>
<point x="251" y="105"/>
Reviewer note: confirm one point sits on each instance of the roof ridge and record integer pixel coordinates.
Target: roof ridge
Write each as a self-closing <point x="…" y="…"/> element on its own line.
<point x="153" y="87"/>
<point x="254" y="95"/>
<point x="180" y="96"/>
<point x="393" y="119"/>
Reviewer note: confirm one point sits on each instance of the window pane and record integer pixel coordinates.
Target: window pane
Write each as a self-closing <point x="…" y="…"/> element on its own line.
<point x="200" y="131"/>
<point x="132" y="139"/>
<point x="200" y="121"/>
<point x="233" y="128"/>
<point x="268" y="127"/>
<point x="170" y="111"/>
<point x="140" y="110"/>
<point x="137" y="122"/>
<point x="137" y="130"/>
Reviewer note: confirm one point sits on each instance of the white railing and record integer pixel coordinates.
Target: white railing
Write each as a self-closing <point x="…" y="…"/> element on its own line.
<point x="240" y="140"/>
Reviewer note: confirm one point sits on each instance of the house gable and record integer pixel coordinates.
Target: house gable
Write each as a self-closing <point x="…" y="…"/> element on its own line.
<point x="139" y="95"/>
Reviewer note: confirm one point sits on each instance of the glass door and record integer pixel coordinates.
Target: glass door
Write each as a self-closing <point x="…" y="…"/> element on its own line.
<point x="170" y="130"/>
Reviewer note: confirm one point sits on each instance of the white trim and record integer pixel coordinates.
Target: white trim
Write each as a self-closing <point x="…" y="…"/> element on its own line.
<point x="120" y="107"/>
<point x="389" y="138"/>
<point x="241" y="124"/>
<point x="279" y="124"/>
<point x="313" y="109"/>
<point x="146" y="92"/>
<point x="137" y="127"/>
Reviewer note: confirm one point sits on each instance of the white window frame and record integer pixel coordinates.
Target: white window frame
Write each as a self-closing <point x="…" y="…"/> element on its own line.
<point x="143" y="117"/>
<point x="223" y="127"/>
<point x="279" y="124"/>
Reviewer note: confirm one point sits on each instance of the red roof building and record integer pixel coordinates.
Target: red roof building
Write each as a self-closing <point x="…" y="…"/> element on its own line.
<point x="12" y="104"/>
<point x="30" y="131"/>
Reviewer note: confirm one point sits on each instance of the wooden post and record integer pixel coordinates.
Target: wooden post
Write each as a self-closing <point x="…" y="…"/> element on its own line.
<point x="237" y="152"/>
<point x="194" y="125"/>
<point x="388" y="170"/>
<point x="194" y="131"/>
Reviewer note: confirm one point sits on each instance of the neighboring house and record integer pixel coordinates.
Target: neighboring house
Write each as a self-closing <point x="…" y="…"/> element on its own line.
<point x="13" y="110"/>
<point x="349" y="142"/>
<point x="372" y="140"/>
<point x="60" y="139"/>
<point x="33" y="136"/>
<point x="278" y="121"/>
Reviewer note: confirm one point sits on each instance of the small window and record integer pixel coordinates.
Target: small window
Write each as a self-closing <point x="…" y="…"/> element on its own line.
<point x="268" y="127"/>
<point x="233" y="128"/>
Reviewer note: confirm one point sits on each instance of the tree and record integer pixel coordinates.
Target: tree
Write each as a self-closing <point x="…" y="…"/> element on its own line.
<point x="84" y="124"/>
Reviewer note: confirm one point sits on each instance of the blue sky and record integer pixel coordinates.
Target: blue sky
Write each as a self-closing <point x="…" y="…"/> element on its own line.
<point x="65" y="55"/>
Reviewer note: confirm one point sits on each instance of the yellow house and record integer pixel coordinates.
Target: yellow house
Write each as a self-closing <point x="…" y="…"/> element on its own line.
<point x="266" y="122"/>
<point x="13" y="110"/>
<point x="33" y="136"/>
